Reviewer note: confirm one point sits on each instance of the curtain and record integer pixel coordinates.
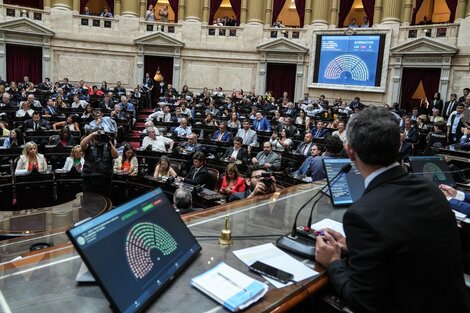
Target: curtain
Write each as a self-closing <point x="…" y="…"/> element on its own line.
<point x="280" y="78"/>
<point x="215" y="5"/>
<point x="452" y="4"/>
<point x="110" y="5"/>
<point x="151" y="63"/>
<point x="24" y="61"/>
<point x="411" y="78"/>
<point x="174" y="6"/>
<point x="344" y="8"/>
<point x="431" y="78"/>
<point x="277" y="8"/>
<point x="369" y="8"/>
<point x="415" y="11"/>
<point x="300" y="7"/>
<point x="38" y="4"/>
<point x="237" y="8"/>
<point x="83" y="4"/>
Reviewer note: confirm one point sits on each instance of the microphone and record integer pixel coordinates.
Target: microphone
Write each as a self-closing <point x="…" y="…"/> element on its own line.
<point x="302" y="245"/>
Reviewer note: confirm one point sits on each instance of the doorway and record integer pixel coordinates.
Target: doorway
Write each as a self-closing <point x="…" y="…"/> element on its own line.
<point x="279" y="78"/>
<point x="24" y="61"/>
<point x="151" y="64"/>
<point x="419" y="84"/>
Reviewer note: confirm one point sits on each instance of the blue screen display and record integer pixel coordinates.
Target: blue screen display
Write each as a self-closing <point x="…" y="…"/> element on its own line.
<point x="349" y="60"/>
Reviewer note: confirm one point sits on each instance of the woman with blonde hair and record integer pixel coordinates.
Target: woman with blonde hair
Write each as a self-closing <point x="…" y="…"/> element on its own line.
<point x="30" y="159"/>
<point x="163" y="168"/>
<point x="75" y="160"/>
<point x="127" y="163"/>
<point x="232" y="181"/>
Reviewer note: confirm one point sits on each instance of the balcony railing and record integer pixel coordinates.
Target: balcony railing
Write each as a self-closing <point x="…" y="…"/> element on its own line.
<point x="171" y="28"/>
<point x="290" y="33"/>
<point x="222" y="31"/>
<point x="15" y="11"/>
<point x="95" y="21"/>
<point x="447" y="32"/>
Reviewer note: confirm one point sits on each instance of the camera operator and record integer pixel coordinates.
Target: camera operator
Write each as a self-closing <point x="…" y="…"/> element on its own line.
<point x="99" y="150"/>
<point x="258" y="182"/>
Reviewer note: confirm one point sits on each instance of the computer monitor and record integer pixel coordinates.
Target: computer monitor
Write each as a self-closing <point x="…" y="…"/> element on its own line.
<point x="135" y="250"/>
<point x="433" y="167"/>
<point x="347" y="188"/>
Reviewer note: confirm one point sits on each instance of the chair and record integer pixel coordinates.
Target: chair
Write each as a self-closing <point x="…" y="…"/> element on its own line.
<point x="212" y="183"/>
<point x="176" y="167"/>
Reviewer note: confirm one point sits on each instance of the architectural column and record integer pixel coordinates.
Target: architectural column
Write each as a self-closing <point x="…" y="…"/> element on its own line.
<point x="321" y="11"/>
<point x="243" y="13"/>
<point x="407" y="11"/>
<point x="47" y="4"/>
<point x="193" y="10"/>
<point x="129" y="8"/>
<point x="206" y="11"/>
<point x="143" y="8"/>
<point x="46" y="58"/>
<point x="460" y="11"/>
<point x="299" y="81"/>
<point x="430" y="9"/>
<point x="391" y="11"/>
<point x="181" y="10"/>
<point x="468" y="9"/>
<point x="268" y="11"/>
<point x="76" y="6"/>
<point x="62" y="4"/>
<point x="334" y="12"/>
<point x="255" y="12"/>
<point x="377" y="12"/>
<point x="308" y="12"/>
<point x="117" y="7"/>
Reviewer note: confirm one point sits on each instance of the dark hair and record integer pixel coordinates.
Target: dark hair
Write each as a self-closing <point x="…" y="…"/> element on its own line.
<point x="127" y="147"/>
<point x="253" y="168"/>
<point x="441" y="125"/>
<point x="333" y="144"/>
<point x="36" y="113"/>
<point x="199" y="156"/>
<point x="374" y="134"/>
<point x="238" y="139"/>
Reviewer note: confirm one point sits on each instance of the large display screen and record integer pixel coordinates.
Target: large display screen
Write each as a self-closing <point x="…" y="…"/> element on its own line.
<point x="347" y="188"/>
<point x="435" y="168"/>
<point x="354" y="60"/>
<point x="134" y="250"/>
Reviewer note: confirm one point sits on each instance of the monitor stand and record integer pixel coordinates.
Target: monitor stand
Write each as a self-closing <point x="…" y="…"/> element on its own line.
<point x="84" y="275"/>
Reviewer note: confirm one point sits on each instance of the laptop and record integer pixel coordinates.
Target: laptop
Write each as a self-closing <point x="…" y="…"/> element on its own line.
<point x="433" y="167"/>
<point x="347" y="188"/>
<point x="135" y="250"/>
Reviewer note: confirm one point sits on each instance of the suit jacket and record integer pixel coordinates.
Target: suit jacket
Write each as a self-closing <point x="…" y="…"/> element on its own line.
<point x="394" y="244"/>
<point x="198" y="147"/>
<point x="304" y="148"/>
<point x="242" y="155"/>
<point x="405" y="151"/>
<point x="226" y="136"/>
<point x="197" y="178"/>
<point x="251" y="138"/>
<point x="272" y="158"/>
<point x="436" y="104"/>
<point x="28" y="124"/>
<point x="290" y="131"/>
<point x="461" y="206"/>
<point x="320" y="133"/>
<point x="262" y="124"/>
<point x="413" y="135"/>
<point x="446" y="108"/>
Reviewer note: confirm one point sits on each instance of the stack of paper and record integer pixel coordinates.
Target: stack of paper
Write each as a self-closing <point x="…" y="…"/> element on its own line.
<point x="230" y="287"/>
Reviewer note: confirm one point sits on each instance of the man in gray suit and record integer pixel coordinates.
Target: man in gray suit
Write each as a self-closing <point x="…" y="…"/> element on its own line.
<point x="267" y="158"/>
<point x="249" y="136"/>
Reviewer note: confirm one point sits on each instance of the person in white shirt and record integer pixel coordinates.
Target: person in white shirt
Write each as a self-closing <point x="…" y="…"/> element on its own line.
<point x="183" y="130"/>
<point x="158" y="142"/>
<point x="341" y="132"/>
<point x="25" y="110"/>
<point x="77" y="103"/>
<point x="75" y="160"/>
<point x="163" y="115"/>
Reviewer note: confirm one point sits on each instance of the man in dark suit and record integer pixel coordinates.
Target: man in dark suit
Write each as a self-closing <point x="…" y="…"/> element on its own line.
<point x="148" y="84"/>
<point x="450" y="106"/>
<point x="402" y="241"/>
<point x="198" y="174"/>
<point x="290" y="129"/>
<point x="305" y="147"/>
<point x="466" y="91"/>
<point x="191" y="146"/>
<point x="237" y="152"/>
<point x="411" y="132"/>
<point x="405" y="150"/>
<point x="36" y="123"/>
<point x="319" y="131"/>
<point x="222" y="134"/>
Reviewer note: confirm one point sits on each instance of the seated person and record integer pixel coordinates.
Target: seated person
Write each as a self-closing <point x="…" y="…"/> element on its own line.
<point x="183" y="201"/>
<point x="126" y="106"/>
<point x="126" y="164"/>
<point x="438" y="139"/>
<point x="405" y="150"/>
<point x="119" y="91"/>
<point x="118" y="114"/>
<point x="315" y="151"/>
<point x="183" y="130"/>
<point x="163" y="168"/>
<point x="305" y="147"/>
<point x="107" y="104"/>
<point x="24" y="110"/>
<point x="163" y="115"/>
<point x="353" y="23"/>
<point x="280" y="142"/>
<point x="30" y="159"/>
<point x="15" y="139"/>
<point x="261" y="123"/>
<point x="212" y="109"/>
<point x="33" y="103"/>
<point x="191" y="146"/>
<point x="222" y="134"/>
<point x="77" y="103"/>
<point x="7" y="102"/>
<point x="333" y="149"/>
<point x="237" y="152"/>
<point x="75" y="160"/>
<point x="341" y="132"/>
<point x="210" y="120"/>
<point x="411" y="132"/>
<point x="291" y="130"/>
<point x="105" y="123"/>
<point x="71" y="123"/>
<point x="268" y="159"/>
<point x="65" y="137"/>
<point x="198" y="174"/>
<point x="320" y="131"/>
<point x="158" y="143"/>
<point x="106" y="13"/>
<point x="232" y="182"/>
<point x="458" y="200"/>
<point x="258" y="182"/>
<point x="50" y="109"/>
<point x="36" y="123"/>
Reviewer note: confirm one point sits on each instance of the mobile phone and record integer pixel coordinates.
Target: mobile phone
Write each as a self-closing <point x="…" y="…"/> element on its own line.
<point x="271" y="272"/>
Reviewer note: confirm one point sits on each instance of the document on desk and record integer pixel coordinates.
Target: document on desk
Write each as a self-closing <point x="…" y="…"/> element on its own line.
<point x="329" y="223"/>
<point x="271" y="255"/>
<point x="230" y="287"/>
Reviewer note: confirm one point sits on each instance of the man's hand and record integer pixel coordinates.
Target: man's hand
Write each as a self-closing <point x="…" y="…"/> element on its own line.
<point x="340" y="239"/>
<point x="254" y="161"/>
<point x="327" y="249"/>
<point x="448" y="191"/>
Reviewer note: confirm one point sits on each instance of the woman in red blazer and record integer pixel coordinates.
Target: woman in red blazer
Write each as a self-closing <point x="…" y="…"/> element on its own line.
<point x="232" y="181"/>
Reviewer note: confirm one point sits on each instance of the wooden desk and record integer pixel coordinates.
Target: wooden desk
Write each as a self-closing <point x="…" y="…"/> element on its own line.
<point x="45" y="281"/>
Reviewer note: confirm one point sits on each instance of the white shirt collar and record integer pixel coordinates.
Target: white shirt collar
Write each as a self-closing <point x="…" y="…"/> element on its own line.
<point x="377" y="173"/>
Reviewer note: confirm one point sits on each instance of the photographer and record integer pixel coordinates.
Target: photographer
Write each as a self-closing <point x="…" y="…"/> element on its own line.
<point x="258" y="182"/>
<point x="97" y="172"/>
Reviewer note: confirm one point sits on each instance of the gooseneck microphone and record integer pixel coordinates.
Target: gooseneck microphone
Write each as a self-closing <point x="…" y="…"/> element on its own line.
<point x="303" y="245"/>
